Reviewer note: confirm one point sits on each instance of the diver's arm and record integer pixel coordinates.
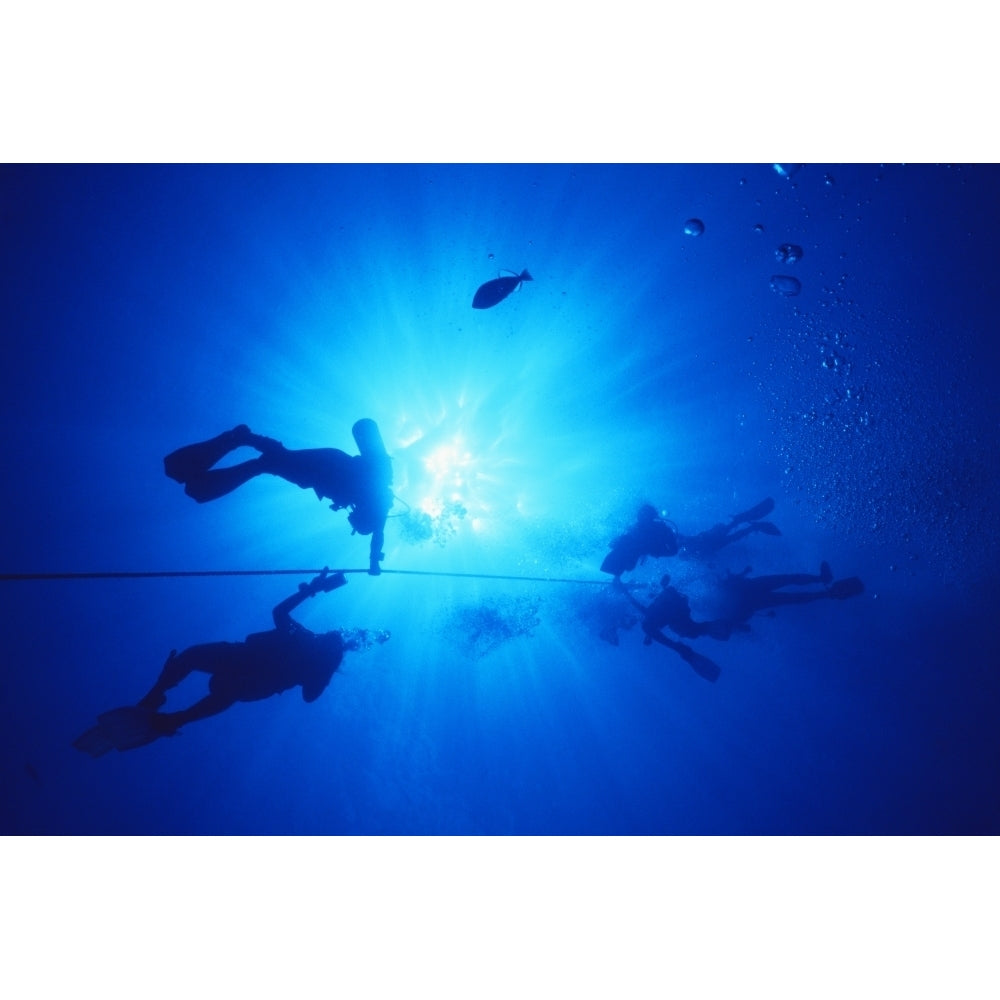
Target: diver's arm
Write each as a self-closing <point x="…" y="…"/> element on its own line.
<point x="283" y="620"/>
<point x="641" y="607"/>
<point x="375" y="553"/>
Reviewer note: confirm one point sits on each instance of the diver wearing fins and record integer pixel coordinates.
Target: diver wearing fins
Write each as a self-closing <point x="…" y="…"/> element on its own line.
<point x="671" y="609"/>
<point x="739" y="596"/>
<point x="263" y="665"/>
<point x="361" y="482"/>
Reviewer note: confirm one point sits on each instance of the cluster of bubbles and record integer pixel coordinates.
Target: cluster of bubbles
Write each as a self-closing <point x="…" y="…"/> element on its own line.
<point x="788" y="253"/>
<point x="863" y="435"/>
<point x="481" y="628"/>
<point x="360" y="639"/>
<point x="787" y="170"/>
<point x="785" y="284"/>
<point x="417" y="526"/>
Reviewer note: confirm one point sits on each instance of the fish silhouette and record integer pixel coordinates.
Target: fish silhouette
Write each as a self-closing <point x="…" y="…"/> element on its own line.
<point x="498" y="289"/>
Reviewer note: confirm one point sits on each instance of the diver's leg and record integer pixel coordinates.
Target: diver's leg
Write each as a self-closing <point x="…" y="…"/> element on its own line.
<point x="204" y="657"/>
<point x="754" y="513"/>
<point x="800" y="597"/>
<point x="688" y="628"/>
<point x="212" y="704"/>
<point x="329" y="471"/>
<point x="735" y="536"/>
<point x="175" y="669"/>
<point x="719" y="628"/>
<point x="654" y="634"/>
<point x="765" y="527"/>
<point x="195" y="459"/>
<point x="777" y="580"/>
<point x="215" y="483"/>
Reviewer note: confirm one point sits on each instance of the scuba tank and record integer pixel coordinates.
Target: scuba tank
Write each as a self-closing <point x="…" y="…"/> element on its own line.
<point x="368" y="438"/>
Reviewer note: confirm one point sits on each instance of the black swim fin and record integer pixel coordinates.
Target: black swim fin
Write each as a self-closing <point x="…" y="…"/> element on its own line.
<point x="94" y="742"/>
<point x="702" y="665"/>
<point x="121" y="729"/>
<point x="767" y="528"/>
<point x="755" y="513"/>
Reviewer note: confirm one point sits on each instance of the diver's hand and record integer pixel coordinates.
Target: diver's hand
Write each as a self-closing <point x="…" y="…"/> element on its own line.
<point x="326" y="582"/>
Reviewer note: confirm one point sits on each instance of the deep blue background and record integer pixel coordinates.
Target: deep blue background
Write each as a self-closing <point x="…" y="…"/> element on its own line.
<point x="144" y="307"/>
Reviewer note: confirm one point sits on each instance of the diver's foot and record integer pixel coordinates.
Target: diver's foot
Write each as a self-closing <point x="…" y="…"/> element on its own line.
<point x="240" y="435"/>
<point x="825" y="573"/>
<point x="261" y="443"/>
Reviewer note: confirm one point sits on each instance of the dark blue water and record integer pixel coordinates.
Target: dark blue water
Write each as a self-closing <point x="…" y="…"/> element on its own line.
<point x="148" y="307"/>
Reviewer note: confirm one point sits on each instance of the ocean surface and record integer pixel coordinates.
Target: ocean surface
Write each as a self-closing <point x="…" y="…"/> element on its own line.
<point x="695" y="337"/>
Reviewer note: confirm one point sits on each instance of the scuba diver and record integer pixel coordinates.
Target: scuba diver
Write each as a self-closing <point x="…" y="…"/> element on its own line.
<point x="651" y="535"/>
<point x="706" y="544"/>
<point x="739" y="596"/>
<point x="671" y="609"/>
<point x="362" y="482"/>
<point x="265" y="664"/>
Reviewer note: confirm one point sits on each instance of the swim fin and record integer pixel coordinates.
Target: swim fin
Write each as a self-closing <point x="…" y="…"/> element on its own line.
<point x="767" y="528"/>
<point x="755" y="513"/>
<point x="121" y="729"/>
<point x="94" y="742"/>
<point x="702" y="665"/>
<point x="850" y="587"/>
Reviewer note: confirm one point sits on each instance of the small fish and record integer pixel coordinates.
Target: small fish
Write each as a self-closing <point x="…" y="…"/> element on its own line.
<point x="498" y="289"/>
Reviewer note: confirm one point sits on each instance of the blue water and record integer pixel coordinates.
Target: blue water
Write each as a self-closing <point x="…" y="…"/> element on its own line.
<point x="146" y="307"/>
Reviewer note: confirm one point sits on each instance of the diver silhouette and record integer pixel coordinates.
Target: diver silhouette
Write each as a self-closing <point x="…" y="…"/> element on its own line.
<point x="671" y="609"/>
<point x="706" y="544"/>
<point x="265" y="664"/>
<point x="362" y="482"/>
<point x="649" y="536"/>
<point x="739" y="596"/>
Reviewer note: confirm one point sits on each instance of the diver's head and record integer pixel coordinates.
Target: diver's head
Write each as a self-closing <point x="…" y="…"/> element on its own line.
<point x="647" y="512"/>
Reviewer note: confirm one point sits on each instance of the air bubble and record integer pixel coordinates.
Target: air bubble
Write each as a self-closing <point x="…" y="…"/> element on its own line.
<point x="786" y="169"/>
<point x="785" y="284"/>
<point x="788" y="253"/>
